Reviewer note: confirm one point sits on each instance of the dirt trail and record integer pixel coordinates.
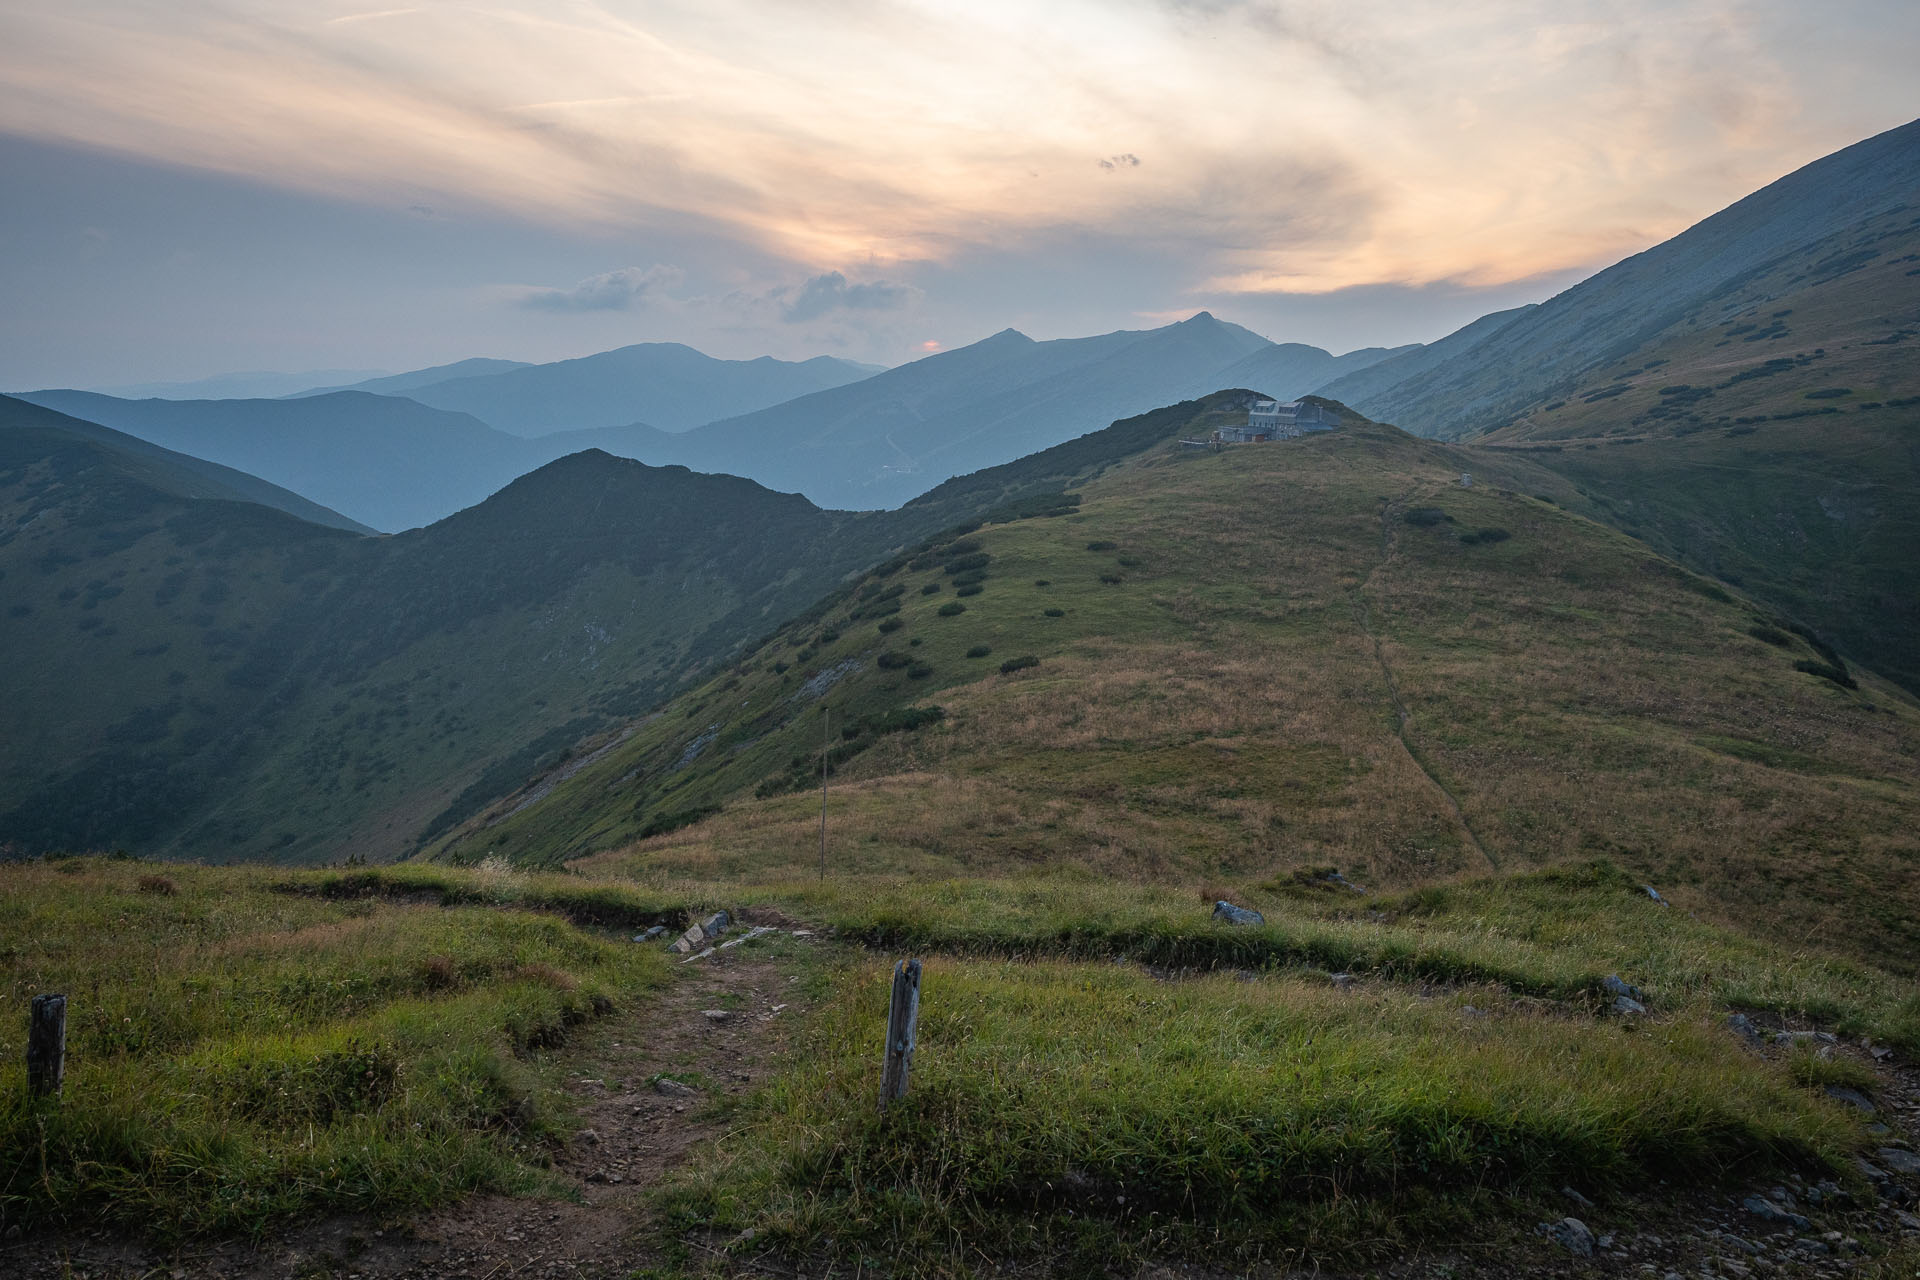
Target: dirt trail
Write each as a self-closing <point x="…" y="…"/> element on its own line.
<point x="631" y="1136"/>
<point x="1403" y="715"/>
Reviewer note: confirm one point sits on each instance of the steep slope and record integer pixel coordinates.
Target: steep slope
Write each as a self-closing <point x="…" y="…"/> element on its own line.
<point x="1245" y="664"/>
<point x="400" y="383"/>
<point x="135" y="587"/>
<point x="385" y="461"/>
<point x="1683" y="281"/>
<point x="215" y="679"/>
<point x="1768" y="440"/>
<point x="1367" y="383"/>
<point x="663" y="384"/>
<point x="880" y="442"/>
<point x="178" y="474"/>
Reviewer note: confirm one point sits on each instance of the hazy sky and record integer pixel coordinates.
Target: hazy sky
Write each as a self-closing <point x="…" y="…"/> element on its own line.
<point x="193" y="187"/>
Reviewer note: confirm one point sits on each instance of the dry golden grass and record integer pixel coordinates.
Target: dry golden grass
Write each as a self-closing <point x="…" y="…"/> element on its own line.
<point x="1231" y="709"/>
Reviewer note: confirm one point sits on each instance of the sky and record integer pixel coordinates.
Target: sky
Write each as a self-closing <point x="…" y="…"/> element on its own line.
<point x="190" y="187"/>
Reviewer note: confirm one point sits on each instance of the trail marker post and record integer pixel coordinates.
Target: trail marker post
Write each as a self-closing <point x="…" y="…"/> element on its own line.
<point x="903" y="1017"/>
<point x="826" y="748"/>
<point x="46" y="1045"/>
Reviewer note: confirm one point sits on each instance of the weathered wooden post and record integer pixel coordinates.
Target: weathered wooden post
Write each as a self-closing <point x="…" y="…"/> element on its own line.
<point x="46" y="1045"/>
<point x="903" y="1016"/>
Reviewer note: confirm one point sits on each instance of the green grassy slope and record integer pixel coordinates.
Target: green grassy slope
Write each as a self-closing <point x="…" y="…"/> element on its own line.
<point x="216" y="679"/>
<point x="245" y="1048"/>
<point x="1808" y="221"/>
<point x="1252" y="662"/>
<point x="1770" y="440"/>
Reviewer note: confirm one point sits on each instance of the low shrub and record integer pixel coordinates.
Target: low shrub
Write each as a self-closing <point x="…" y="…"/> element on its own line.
<point x="971" y="590"/>
<point x="1020" y="663"/>
<point x="890" y="625"/>
<point x="1102" y="546"/>
<point x="979" y="651"/>
<point x="930" y="589"/>
<point x="1485" y="535"/>
<point x="951" y="609"/>
<point x="1054" y="613"/>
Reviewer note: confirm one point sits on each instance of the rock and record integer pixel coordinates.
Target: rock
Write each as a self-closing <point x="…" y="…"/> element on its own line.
<point x="1471" y="1012"/>
<point x="1767" y="1211"/>
<point x="590" y="1136"/>
<point x="1899" y="1161"/>
<point x="1576" y="1197"/>
<point x="1741" y="1025"/>
<point x="1228" y="913"/>
<point x="1900" y="1216"/>
<point x="1852" y="1097"/>
<point x="1655" y="895"/>
<point x="716" y="924"/>
<point x="1627" y="1004"/>
<point x="674" y="1088"/>
<point x="699" y="955"/>
<point x="1570" y="1234"/>
<point x="692" y="940"/>
<point x="658" y="931"/>
<point x="1613" y="985"/>
<point x="1343" y="980"/>
<point x="1745" y="1246"/>
<point x="717" y="1015"/>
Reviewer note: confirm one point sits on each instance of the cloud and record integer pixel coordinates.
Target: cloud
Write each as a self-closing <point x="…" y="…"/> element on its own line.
<point x="621" y="290"/>
<point x="831" y="292"/>
<point x="1499" y="140"/>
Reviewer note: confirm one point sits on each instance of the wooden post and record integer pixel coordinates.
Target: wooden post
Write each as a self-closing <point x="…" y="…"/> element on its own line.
<point x="826" y="749"/>
<point x="903" y="1018"/>
<point x="46" y="1045"/>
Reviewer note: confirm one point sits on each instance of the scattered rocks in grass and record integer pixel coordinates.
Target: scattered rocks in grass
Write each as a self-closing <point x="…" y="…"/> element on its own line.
<point x="700" y="955"/>
<point x="674" y="1088"/>
<point x="1570" y="1234"/>
<point x="692" y="940"/>
<point x="1852" y="1097"/>
<point x="1613" y="985"/>
<point x="1576" y="1197"/>
<point x="717" y="1015"/>
<point x="1627" y="1004"/>
<point x="1767" y="1211"/>
<point x="658" y="931"/>
<point x="1898" y="1160"/>
<point x="716" y="924"/>
<point x="1227" y="913"/>
<point x="1655" y="895"/>
<point x="1343" y="980"/>
<point x="1741" y="1025"/>
<point x="1907" y="1220"/>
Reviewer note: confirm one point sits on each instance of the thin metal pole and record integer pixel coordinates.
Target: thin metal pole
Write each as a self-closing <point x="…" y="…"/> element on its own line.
<point x="826" y="745"/>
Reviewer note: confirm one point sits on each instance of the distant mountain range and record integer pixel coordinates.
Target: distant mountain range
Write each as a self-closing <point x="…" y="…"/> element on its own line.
<point x="661" y="384"/>
<point x="386" y="461"/>
<point x="854" y="439"/>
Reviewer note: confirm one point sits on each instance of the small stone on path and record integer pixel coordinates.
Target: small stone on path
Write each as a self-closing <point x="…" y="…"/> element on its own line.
<point x="1570" y="1234"/>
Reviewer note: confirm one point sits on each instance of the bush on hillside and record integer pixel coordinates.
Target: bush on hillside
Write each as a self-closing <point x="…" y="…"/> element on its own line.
<point x="953" y="608"/>
<point x="1021" y="663"/>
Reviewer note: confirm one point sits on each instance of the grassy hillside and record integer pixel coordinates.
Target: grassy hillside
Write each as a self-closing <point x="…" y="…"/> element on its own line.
<point x="1805" y="222"/>
<point x="1250" y="663"/>
<point x="245" y="1047"/>
<point x="1768" y="440"/>
<point x="215" y="679"/>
